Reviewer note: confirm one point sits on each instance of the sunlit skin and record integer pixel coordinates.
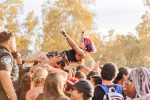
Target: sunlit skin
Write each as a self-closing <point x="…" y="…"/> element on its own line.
<point x="130" y="89"/>
<point x="11" y="45"/>
<point x="122" y="82"/>
<point x="54" y="60"/>
<point x="92" y="81"/>
<point x="82" y="46"/>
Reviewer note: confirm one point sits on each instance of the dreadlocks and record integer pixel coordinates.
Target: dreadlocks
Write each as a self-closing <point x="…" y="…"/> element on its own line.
<point x="141" y="80"/>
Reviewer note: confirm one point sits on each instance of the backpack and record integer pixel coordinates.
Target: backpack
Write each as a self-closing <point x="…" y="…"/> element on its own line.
<point x="112" y="93"/>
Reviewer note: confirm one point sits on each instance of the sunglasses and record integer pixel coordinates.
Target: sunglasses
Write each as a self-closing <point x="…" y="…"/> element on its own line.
<point x="52" y="54"/>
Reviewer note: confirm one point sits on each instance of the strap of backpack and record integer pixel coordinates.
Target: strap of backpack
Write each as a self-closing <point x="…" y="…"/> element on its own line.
<point x="107" y="96"/>
<point x="105" y="89"/>
<point x="119" y="89"/>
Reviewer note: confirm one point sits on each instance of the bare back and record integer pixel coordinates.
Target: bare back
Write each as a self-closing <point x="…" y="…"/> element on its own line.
<point x="32" y="94"/>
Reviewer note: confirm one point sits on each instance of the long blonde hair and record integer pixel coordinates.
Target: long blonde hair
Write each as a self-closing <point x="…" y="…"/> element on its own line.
<point x="141" y="80"/>
<point x="53" y="87"/>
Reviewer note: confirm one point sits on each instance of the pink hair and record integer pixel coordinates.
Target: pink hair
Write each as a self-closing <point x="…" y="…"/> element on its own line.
<point x="89" y="44"/>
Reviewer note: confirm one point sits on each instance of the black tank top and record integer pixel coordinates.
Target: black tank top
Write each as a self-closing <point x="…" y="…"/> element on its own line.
<point x="71" y="55"/>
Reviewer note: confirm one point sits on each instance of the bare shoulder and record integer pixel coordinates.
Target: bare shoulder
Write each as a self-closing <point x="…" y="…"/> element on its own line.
<point x="30" y="93"/>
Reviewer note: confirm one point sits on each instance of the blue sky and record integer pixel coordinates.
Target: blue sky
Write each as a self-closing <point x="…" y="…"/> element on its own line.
<point x="121" y="15"/>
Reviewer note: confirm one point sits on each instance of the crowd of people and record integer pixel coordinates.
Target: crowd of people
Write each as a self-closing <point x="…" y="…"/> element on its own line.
<point x="55" y="76"/>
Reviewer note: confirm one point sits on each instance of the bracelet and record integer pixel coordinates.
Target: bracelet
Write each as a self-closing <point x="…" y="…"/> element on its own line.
<point x="66" y="36"/>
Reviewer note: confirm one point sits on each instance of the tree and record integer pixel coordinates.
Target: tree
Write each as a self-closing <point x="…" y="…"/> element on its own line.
<point x="8" y="14"/>
<point x="143" y="30"/>
<point x="144" y="27"/>
<point x="133" y="51"/>
<point x="22" y="44"/>
<point x="68" y="14"/>
<point x="31" y="30"/>
<point x="9" y="21"/>
<point x="147" y="3"/>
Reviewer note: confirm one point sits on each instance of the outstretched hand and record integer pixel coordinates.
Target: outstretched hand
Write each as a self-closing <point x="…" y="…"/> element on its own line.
<point x="64" y="33"/>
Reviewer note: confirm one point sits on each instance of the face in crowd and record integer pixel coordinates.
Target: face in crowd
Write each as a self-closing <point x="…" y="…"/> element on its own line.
<point x="12" y="44"/>
<point x="56" y="60"/>
<point x="129" y="88"/>
<point x="8" y="39"/>
<point x="138" y="83"/>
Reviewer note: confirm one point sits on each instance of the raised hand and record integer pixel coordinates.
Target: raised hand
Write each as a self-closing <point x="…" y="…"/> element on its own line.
<point x="64" y="33"/>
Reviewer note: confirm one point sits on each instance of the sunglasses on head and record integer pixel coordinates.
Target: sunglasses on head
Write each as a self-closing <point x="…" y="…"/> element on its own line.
<point x="52" y="54"/>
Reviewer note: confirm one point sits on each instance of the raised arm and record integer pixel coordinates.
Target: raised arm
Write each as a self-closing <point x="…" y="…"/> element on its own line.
<point x="39" y="57"/>
<point x="73" y="45"/>
<point x="52" y="69"/>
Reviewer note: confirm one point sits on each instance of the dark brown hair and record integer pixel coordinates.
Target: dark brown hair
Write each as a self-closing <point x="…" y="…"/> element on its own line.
<point x="122" y="71"/>
<point x="109" y="71"/>
<point x="5" y="36"/>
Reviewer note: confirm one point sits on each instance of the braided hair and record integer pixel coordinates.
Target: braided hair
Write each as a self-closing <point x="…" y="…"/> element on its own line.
<point x="141" y="80"/>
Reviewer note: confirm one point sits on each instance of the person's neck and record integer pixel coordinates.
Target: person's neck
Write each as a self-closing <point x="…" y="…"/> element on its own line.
<point x="40" y="86"/>
<point x="80" y="98"/>
<point x="120" y="82"/>
<point x="106" y="82"/>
